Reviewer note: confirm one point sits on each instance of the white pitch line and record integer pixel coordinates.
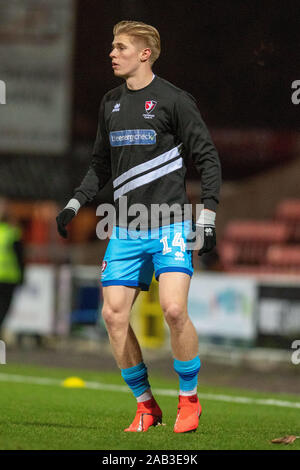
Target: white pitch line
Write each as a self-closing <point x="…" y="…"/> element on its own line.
<point x="158" y="391"/>
<point x="28" y="379"/>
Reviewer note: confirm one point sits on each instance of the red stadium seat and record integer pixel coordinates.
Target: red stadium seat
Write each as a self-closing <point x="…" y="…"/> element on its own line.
<point x="289" y="210"/>
<point x="229" y="253"/>
<point x="257" y="231"/>
<point x="286" y="255"/>
<point x="264" y="270"/>
<point x="263" y="247"/>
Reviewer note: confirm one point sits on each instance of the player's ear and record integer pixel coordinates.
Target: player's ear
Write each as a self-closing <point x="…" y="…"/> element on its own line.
<point x="145" y="54"/>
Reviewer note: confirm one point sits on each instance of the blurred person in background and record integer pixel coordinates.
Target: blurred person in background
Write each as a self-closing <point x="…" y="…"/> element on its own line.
<point x="147" y="130"/>
<point x="11" y="260"/>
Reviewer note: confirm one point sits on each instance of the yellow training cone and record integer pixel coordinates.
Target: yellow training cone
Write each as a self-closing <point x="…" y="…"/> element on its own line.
<point x="73" y="382"/>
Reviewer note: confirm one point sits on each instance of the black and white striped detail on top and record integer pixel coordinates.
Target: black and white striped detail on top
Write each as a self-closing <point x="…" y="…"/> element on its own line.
<point x="137" y="181"/>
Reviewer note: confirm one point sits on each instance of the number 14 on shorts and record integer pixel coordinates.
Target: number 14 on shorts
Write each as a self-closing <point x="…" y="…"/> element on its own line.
<point x="177" y="241"/>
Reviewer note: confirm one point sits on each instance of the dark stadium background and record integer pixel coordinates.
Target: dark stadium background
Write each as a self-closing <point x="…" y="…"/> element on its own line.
<point x="238" y="59"/>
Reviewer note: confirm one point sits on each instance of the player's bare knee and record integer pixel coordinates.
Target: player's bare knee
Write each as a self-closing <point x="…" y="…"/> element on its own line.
<point x="114" y="318"/>
<point x="174" y="314"/>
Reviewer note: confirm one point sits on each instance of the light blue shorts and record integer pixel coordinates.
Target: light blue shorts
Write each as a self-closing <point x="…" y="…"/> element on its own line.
<point x="131" y="256"/>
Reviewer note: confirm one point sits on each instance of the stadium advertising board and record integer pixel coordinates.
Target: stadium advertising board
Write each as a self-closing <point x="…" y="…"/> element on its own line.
<point x="35" y="57"/>
<point x="223" y="306"/>
<point x="33" y="305"/>
<point x="279" y="310"/>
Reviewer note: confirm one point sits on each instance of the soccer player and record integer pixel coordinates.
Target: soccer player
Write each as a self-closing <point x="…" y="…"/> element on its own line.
<point x="147" y="130"/>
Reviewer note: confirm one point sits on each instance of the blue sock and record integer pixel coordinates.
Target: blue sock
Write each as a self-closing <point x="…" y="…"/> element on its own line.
<point x="136" y="378"/>
<point x="188" y="373"/>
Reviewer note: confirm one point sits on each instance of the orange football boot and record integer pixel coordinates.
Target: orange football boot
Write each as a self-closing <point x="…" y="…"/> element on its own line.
<point x="148" y="414"/>
<point x="188" y="414"/>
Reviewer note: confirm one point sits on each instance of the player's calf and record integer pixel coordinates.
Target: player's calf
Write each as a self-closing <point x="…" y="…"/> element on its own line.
<point x="189" y="408"/>
<point x="148" y="412"/>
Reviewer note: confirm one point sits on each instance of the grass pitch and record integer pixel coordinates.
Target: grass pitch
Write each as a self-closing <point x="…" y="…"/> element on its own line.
<point x="50" y="417"/>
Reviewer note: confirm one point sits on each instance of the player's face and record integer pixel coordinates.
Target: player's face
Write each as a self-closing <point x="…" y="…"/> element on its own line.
<point x="126" y="55"/>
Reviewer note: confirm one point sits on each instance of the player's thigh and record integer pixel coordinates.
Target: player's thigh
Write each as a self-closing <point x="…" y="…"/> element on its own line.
<point x="173" y="291"/>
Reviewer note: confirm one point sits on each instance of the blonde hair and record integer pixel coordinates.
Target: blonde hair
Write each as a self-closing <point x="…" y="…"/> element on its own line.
<point x="144" y="31"/>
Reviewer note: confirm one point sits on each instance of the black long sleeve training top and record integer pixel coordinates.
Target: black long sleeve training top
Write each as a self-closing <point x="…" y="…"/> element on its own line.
<point x="144" y="140"/>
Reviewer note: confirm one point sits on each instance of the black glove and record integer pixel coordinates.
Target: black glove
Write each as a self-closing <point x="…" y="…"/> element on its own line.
<point x="206" y="231"/>
<point x="209" y="239"/>
<point x="63" y="219"/>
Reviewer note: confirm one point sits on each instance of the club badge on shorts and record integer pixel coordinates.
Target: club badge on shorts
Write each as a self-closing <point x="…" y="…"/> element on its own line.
<point x="103" y="267"/>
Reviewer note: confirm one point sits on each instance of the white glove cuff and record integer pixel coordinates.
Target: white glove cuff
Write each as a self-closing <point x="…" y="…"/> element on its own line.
<point x="207" y="217"/>
<point x="73" y="204"/>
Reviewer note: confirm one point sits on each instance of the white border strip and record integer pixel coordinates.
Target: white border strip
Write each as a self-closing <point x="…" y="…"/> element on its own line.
<point x="150" y="164"/>
<point x="145" y="179"/>
<point x="158" y="391"/>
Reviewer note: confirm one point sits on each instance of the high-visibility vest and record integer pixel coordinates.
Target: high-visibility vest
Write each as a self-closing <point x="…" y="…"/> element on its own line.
<point x="10" y="271"/>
